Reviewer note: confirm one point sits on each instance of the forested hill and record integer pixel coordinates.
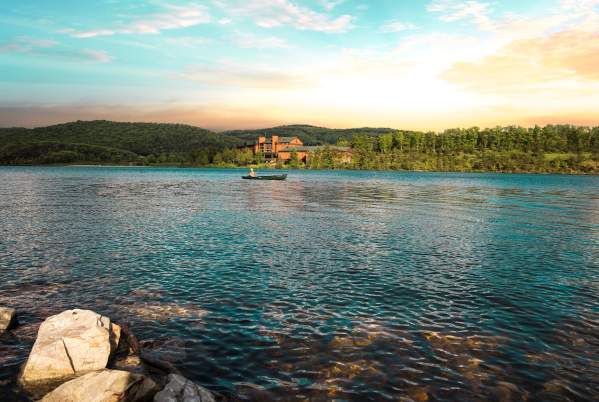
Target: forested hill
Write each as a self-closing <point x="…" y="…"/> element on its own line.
<point x="553" y="148"/>
<point x="109" y="142"/>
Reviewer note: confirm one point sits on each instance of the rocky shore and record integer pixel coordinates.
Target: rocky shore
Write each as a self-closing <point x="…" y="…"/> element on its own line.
<point x="82" y="356"/>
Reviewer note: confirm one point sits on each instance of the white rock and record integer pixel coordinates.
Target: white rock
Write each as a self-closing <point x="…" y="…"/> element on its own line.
<point x="7" y="318"/>
<point x="180" y="389"/>
<point x="104" y="386"/>
<point x="70" y="344"/>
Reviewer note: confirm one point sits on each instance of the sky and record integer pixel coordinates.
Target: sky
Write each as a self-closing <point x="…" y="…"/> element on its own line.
<point x="228" y="64"/>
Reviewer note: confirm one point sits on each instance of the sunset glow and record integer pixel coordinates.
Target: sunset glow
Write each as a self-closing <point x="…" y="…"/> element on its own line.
<point x="223" y="64"/>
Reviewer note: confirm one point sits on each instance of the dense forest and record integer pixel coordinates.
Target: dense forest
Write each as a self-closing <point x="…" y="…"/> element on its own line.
<point x="559" y="148"/>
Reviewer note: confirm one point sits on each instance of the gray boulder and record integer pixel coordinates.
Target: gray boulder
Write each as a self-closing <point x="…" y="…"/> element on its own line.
<point x="180" y="389"/>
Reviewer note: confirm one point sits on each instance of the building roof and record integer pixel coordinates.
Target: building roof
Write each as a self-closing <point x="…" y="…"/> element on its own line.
<point x="282" y="140"/>
<point x="286" y="139"/>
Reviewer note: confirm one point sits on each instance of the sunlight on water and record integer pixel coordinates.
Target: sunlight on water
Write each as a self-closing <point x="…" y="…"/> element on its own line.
<point x="332" y="285"/>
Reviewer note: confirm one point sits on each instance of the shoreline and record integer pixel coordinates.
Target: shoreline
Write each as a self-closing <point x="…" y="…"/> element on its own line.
<point x="560" y="173"/>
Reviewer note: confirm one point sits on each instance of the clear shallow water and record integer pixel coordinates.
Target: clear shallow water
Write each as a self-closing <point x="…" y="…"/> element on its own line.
<point x="332" y="285"/>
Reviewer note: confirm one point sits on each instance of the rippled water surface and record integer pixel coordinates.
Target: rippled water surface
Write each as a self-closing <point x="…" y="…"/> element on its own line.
<point x="329" y="286"/>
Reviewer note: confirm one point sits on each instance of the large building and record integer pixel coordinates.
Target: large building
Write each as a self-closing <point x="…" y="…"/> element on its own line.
<point x="283" y="149"/>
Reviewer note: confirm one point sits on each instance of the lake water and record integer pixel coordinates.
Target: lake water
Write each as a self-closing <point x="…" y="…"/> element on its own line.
<point x="332" y="285"/>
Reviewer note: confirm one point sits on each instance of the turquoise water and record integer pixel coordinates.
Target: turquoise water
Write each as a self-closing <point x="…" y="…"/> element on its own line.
<point x="332" y="285"/>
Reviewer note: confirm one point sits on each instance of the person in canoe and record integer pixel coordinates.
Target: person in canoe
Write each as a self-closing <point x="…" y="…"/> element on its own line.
<point x="252" y="173"/>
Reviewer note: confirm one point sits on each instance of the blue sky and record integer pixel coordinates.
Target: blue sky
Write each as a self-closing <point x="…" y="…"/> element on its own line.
<point x="250" y="63"/>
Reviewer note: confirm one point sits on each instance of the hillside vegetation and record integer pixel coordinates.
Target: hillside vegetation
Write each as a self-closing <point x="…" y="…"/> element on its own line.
<point x="109" y="142"/>
<point x="562" y="148"/>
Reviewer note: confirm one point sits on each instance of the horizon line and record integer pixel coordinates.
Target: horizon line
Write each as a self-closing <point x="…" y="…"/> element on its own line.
<point x="218" y="131"/>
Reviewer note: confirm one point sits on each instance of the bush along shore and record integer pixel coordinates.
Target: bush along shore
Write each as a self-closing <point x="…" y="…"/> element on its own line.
<point x="549" y="149"/>
<point x="82" y="356"/>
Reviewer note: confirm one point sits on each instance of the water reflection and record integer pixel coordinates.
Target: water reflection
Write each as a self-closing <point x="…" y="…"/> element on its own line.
<point x="332" y="285"/>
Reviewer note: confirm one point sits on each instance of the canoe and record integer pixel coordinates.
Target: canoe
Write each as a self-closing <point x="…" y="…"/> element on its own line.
<point x="273" y="177"/>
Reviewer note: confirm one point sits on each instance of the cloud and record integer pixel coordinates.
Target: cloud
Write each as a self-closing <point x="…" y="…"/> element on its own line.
<point x="88" y="34"/>
<point x="247" y="41"/>
<point x="330" y="4"/>
<point x="229" y="75"/>
<point x="44" y="43"/>
<point x="99" y="56"/>
<point x="188" y="41"/>
<point x="26" y="44"/>
<point x="580" y="5"/>
<point x="456" y="10"/>
<point x="396" y="26"/>
<point x="557" y="61"/>
<point x="52" y="49"/>
<point x="276" y="13"/>
<point x="173" y="17"/>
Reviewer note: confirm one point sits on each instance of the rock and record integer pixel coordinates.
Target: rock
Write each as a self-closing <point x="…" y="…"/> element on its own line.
<point x="104" y="386"/>
<point x="180" y="389"/>
<point x="131" y="363"/>
<point x="70" y="344"/>
<point x="7" y="318"/>
<point x="115" y="337"/>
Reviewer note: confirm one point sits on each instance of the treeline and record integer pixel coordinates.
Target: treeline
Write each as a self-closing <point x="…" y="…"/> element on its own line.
<point x="60" y="153"/>
<point x="561" y="148"/>
<point x="553" y="148"/>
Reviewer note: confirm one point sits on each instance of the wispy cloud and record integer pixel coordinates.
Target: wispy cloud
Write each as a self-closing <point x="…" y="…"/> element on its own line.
<point x="276" y="13"/>
<point x="580" y="5"/>
<point x="52" y="49"/>
<point x="172" y="17"/>
<point x="248" y="41"/>
<point x="330" y="4"/>
<point x="99" y="56"/>
<point x="36" y="42"/>
<point x="26" y="44"/>
<point x="396" y="26"/>
<point x="230" y="75"/>
<point x="457" y="10"/>
<point x="188" y="41"/>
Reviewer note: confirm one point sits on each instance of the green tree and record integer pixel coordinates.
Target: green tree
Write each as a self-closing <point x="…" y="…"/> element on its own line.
<point x="294" y="162"/>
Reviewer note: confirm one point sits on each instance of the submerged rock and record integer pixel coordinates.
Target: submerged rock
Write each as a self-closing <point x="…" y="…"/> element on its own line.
<point x="459" y="344"/>
<point x="7" y="318"/>
<point x="180" y="389"/>
<point x="104" y="386"/>
<point x="70" y="344"/>
<point x="418" y="394"/>
<point x="164" y="312"/>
